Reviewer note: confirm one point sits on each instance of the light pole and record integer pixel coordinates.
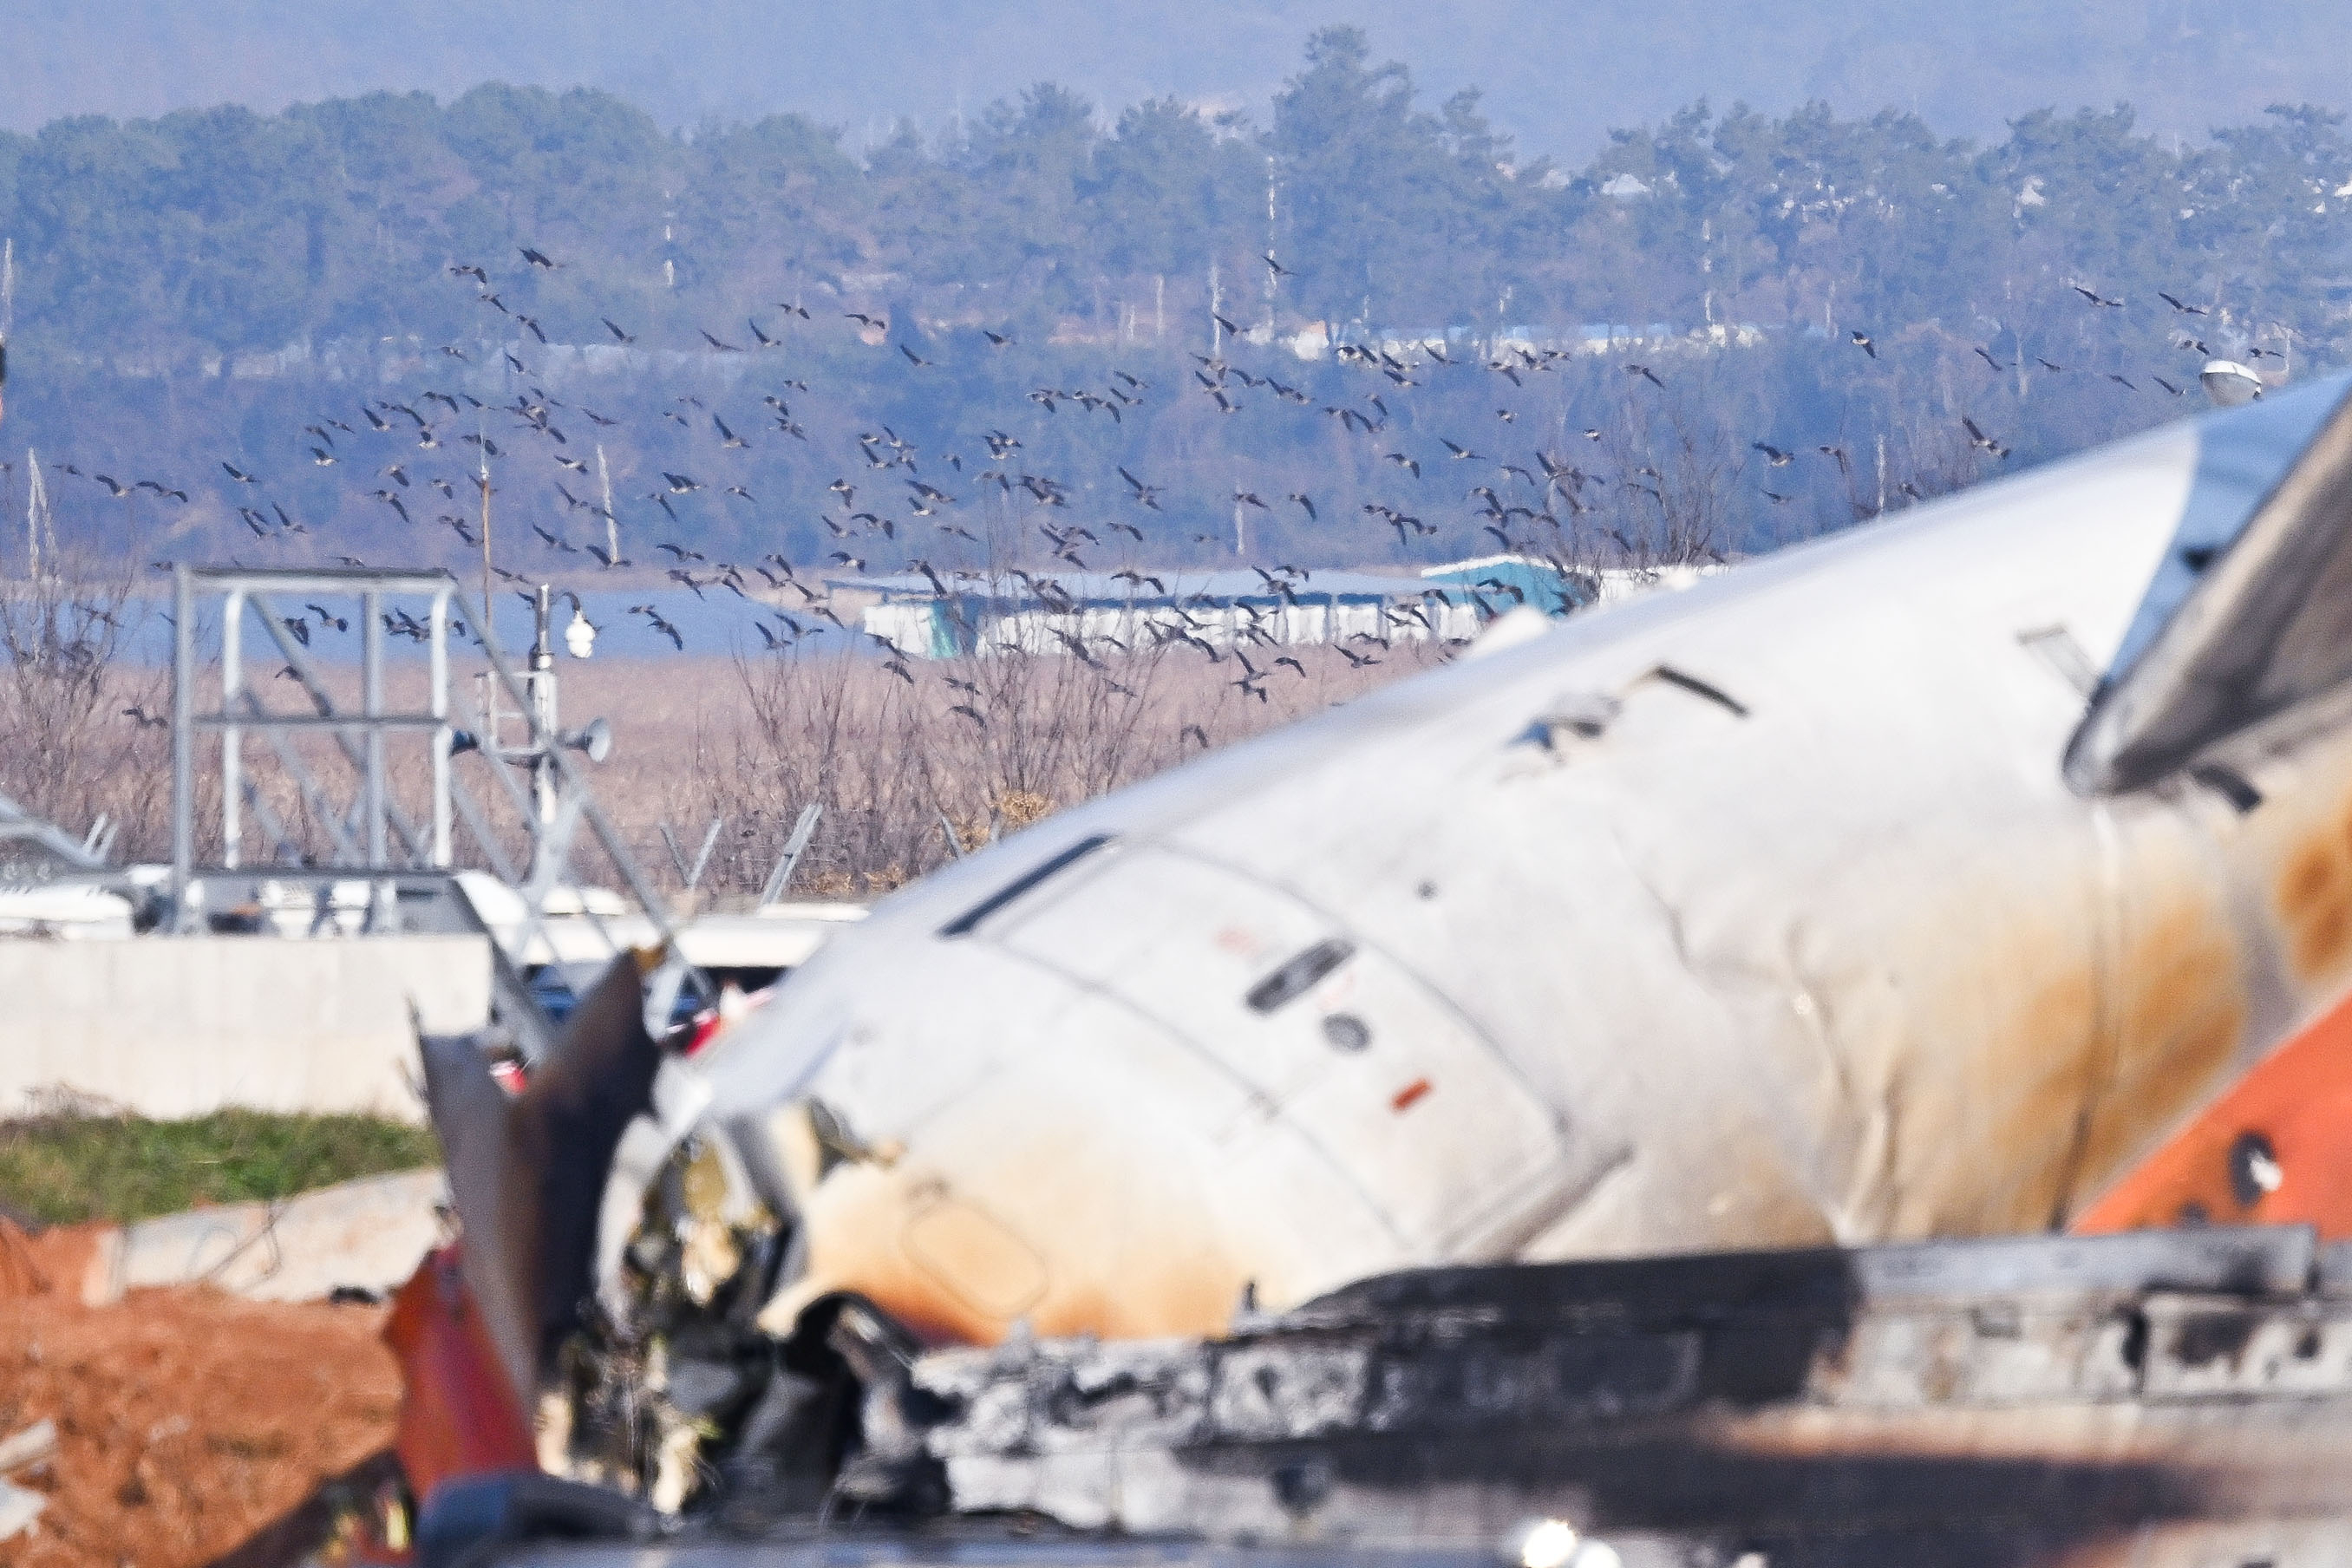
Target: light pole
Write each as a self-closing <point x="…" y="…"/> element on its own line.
<point x="593" y="739"/>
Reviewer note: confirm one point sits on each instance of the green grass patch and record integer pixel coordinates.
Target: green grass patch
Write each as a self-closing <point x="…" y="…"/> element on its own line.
<point x="64" y="1169"/>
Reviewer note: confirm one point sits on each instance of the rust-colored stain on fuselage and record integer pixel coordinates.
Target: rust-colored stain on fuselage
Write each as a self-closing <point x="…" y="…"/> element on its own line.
<point x="2288" y="1118"/>
<point x="2180" y="1018"/>
<point x="958" y="1266"/>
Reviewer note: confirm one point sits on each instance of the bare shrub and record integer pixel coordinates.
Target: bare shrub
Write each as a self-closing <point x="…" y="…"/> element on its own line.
<point x="80" y="735"/>
<point x="974" y="748"/>
<point x="962" y="751"/>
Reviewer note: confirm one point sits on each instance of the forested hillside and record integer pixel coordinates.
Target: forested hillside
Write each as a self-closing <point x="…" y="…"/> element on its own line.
<point x="1560" y="73"/>
<point x="221" y="286"/>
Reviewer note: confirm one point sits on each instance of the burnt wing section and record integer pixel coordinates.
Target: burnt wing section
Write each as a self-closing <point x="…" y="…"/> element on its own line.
<point x="527" y="1173"/>
<point x="2000" y="1402"/>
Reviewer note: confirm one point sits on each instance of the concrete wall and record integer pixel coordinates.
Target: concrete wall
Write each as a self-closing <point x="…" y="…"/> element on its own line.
<point x="173" y="1026"/>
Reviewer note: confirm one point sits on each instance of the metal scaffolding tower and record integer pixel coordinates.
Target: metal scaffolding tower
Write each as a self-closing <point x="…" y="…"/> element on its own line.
<point x="350" y="826"/>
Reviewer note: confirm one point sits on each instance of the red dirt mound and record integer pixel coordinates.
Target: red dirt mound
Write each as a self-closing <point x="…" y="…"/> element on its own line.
<point x="188" y="1421"/>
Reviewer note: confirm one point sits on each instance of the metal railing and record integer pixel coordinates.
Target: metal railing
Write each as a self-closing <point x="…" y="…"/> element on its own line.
<point x="368" y="836"/>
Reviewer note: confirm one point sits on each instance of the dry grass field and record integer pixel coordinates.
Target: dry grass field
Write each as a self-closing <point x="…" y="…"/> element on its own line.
<point x="898" y="760"/>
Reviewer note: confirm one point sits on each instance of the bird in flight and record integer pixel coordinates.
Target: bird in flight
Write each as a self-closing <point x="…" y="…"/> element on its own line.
<point x="1863" y="341"/>
<point x="1147" y="494"/>
<point x="1983" y="442"/>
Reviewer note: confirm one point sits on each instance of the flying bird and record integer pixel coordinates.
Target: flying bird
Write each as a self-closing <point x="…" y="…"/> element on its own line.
<point x="1147" y="494"/>
<point x="1979" y="439"/>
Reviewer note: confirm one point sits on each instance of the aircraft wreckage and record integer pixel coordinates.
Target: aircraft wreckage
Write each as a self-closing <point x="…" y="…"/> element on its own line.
<point x="1659" y="1078"/>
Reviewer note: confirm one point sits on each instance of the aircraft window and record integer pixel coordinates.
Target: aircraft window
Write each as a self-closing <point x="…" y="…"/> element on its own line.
<point x="1346" y="1032"/>
<point x="964" y="923"/>
<point x="1299" y="976"/>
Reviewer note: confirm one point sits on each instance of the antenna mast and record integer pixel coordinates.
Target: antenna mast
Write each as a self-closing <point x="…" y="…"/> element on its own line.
<point x="38" y="522"/>
<point x="482" y="479"/>
<point x="1273" y="277"/>
<point x="7" y="313"/>
<point x="1216" y="305"/>
<point x="612" y="523"/>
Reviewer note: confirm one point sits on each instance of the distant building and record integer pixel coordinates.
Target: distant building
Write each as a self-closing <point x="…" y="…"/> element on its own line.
<point x="964" y="613"/>
<point x="1506" y="581"/>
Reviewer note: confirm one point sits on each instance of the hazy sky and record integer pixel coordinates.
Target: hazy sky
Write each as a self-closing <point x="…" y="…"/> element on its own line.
<point x="1559" y="72"/>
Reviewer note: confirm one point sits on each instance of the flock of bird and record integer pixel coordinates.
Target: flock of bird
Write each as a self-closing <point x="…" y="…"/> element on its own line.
<point x="917" y="505"/>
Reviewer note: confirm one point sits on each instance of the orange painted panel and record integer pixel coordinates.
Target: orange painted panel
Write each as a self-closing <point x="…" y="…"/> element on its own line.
<point x="458" y="1416"/>
<point x="2276" y="1149"/>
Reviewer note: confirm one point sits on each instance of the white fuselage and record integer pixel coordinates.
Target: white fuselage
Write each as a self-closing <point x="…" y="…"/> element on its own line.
<point x="1756" y="914"/>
